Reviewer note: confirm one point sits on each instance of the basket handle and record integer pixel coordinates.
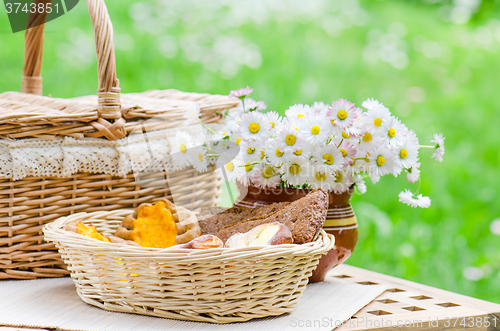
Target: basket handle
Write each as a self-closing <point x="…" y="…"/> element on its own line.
<point x="108" y="93"/>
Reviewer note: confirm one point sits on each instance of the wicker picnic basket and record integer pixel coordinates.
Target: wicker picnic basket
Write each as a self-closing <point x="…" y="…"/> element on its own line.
<point x="219" y="285"/>
<point x="36" y="188"/>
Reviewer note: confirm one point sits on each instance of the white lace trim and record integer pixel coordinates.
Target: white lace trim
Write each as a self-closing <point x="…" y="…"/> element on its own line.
<point x="62" y="157"/>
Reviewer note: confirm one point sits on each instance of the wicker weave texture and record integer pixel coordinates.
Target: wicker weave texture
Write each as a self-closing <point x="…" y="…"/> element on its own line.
<point x="26" y="205"/>
<point x="215" y="285"/>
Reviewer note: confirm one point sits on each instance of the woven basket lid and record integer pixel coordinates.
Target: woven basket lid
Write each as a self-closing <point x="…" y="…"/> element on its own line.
<point x="109" y="113"/>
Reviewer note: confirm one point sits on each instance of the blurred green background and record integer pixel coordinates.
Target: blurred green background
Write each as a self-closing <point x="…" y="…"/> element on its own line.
<point x="433" y="63"/>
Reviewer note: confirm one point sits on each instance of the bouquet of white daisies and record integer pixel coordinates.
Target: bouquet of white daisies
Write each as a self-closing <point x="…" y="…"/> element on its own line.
<point x="334" y="146"/>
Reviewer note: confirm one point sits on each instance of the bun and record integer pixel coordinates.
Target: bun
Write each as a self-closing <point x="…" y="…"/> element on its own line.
<point x="204" y="242"/>
<point x="264" y="234"/>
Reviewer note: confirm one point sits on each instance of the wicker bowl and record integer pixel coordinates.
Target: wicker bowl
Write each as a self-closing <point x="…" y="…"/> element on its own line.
<point x="221" y="285"/>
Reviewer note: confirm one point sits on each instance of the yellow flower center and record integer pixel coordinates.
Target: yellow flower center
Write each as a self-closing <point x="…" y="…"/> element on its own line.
<point x="267" y="173"/>
<point x="321" y="177"/>
<point x="392" y="132"/>
<point x="329" y="159"/>
<point x="250" y="150"/>
<point x="338" y="177"/>
<point x="300" y="116"/>
<point x="248" y="166"/>
<point x="254" y="127"/>
<point x="377" y="122"/>
<point x="294" y="169"/>
<point x="344" y="152"/>
<point x="315" y="129"/>
<point x="353" y="162"/>
<point x="230" y="166"/>
<point x="183" y="149"/>
<point x="367" y="137"/>
<point x="272" y="124"/>
<point x="346" y="135"/>
<point x="298" y="152"/>
<point x="403" y="153"/>
<point x="238" y="141"/>
<point x="200" y="157"/>
<point x="380" y="160"/>
<point x="262" y="155"/>
<point x="290" y="139"/>
<point x="224" y="133"/>
<point x="342" y="114"/>
<point x="279" y="153"/>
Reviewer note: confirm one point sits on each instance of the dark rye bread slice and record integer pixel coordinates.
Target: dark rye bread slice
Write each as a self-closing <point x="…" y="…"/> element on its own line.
<point x="304" y="218"/>
<point x="213" y="219"/>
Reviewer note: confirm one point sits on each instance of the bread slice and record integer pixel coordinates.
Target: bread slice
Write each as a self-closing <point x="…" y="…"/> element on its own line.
<point x="213" y="219"/>
<point x="304" y="218"/>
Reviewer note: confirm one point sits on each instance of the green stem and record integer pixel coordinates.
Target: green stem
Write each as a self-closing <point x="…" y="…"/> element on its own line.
<point x="426" y="146"/>
<point x="418" y="188"/>
<point x="206" y="127"/>
<point x="340" y="142"/>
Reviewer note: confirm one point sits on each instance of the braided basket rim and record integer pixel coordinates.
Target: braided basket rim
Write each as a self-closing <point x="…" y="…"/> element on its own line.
<point x="56" y="233"/>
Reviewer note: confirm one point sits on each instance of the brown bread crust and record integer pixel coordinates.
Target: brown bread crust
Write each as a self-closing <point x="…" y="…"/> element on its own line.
<point x="213" y="224"/>
<point x="304" y="218"/>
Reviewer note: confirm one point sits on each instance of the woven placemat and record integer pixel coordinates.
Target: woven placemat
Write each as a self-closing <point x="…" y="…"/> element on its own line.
<point x="53" y="303"/>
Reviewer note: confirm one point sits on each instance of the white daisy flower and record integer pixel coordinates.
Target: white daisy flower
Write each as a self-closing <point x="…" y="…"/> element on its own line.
<point x="360" y="184"/>
<point x="413" y="173"/>
<point x="224" y="131"/>
<point x="274" y="119"/>
<point x="381" y="163"/>
<point x="228" y="166"/>
<point x="439" y="152"/>
<point x="405" y="153"/>
<point x="343" y="182"/>
<point x="275" y="152"/>
<point x="359" y="163"/>
<point x="180" y="146"/>
<point x="303" y="152"/>
<point x="250" y="150"/>
<point x="315" y="130"/>
<point x="368" y="141"/>
<point x="371" y="103"/>
<point x="265" y="176"/>
<point x="197" y="158"/>
<point x="252" y="105"/>
<point x="412" y="136"/>
<point x="320" y="177"/>
<point x="374" y="118"/>
<point x="328" y="156"/>
<point x="319" y="108"/>
<point x="241" y="93"/>
<point x="245" y="172"/>
<point x="343" y="113"/>
<point x="347" y="150"/>
<point x="299" y="111"/>
<point x="410" y="199"/>
<point x="290" y="138"/>
<point x="192" y="114"/>
<point x="253" y="126"/>
<point x="295" y="171"/>
<point x="351" y="134"/>
<point x="234" y="113"/>
<point x="393" y="131"/>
